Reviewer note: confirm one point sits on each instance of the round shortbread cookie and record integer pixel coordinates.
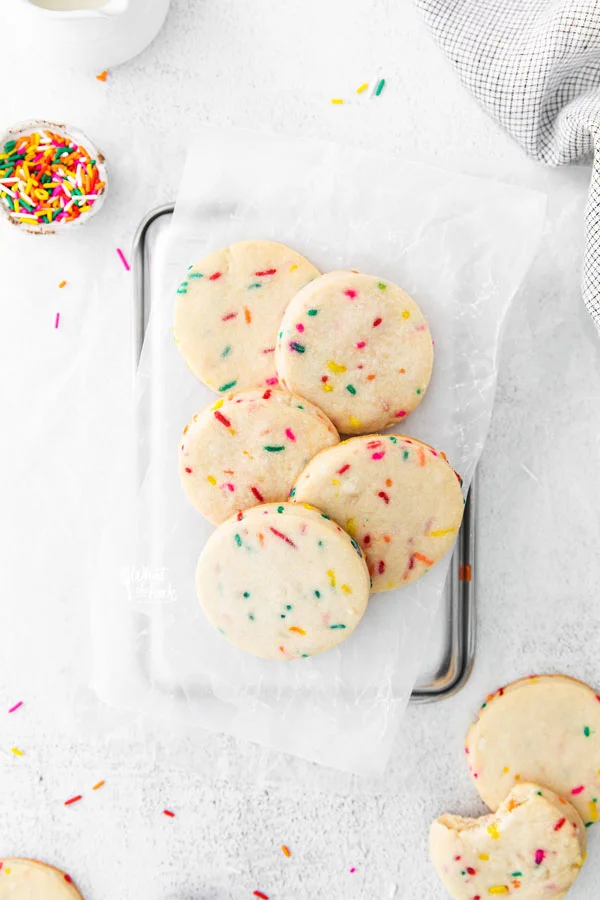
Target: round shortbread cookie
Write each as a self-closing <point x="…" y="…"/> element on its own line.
<point x="229" y="308"/>
<point x="397" y="496"/>
<point x="359" y="347"/>
<point x="27" y="879"/>
<point x="282" y="581"/>
<point x="545" y="728"/>
<point x="532" y="847"/>
<point x="248" y="449"/>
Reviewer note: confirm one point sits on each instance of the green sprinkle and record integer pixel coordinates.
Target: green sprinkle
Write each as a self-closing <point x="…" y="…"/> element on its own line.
<point x="226" y="351"/>
<point x="288" y="607"/>
<point x="10" y="146"/>
<point x="382" y="286"/>
<point x="195" y="275"/>
<point x="351" y="388"/>
<point x="182" y="290"/>
<point x="190" y="266"/>
<point x="463" y="872"/>
<point x="305" y="655"/>
<point x="516" y="874"/>
<point x="26" y="202"/>
<point x="483" y="705"/>
<point x="280" y="509"/>
<point x="539" y="793"/>
<point x="93" y="163"/>
<point x="419" y="391"/>
<point x="393" y="439"/>
<point x="312" y="312"/>
<point x="271" y="449"/>
<point x="587" y="731"/>
<point x="282" y="616"/>
<point x="251" y="617"/>
<point x="297" y="347"/>
<point x="325" y="516"/>
<point x="238" y="540"/>
<point x="246" y="594"/>
<point x="281" y="334"/>
<point x="253" y="286"/>
<point x="226" y="387"/>
<point x="319" y="543"/>
<point x="318" y="595"/>
<point x="588" y="824"/>
<point x="222" y="630"/>
<point x="380" y="87"/>
<point x="405" y="454"/>
<point x="337" y="626"/>
<point x="299" y="406"/>
<point x="293" y="492"/>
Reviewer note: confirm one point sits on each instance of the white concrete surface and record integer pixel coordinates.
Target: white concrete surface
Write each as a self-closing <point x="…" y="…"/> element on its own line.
<point x="275" y="66"/>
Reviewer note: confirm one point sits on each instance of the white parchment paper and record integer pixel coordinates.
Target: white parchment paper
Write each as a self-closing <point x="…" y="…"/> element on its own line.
<point x="461" y="247"/>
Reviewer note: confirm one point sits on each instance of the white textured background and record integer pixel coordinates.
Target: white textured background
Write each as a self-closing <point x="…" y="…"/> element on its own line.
<point x="273" y="66"/>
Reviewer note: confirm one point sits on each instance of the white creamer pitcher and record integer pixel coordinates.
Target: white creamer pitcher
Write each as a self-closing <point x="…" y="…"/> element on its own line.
<point x="92" y="34"/>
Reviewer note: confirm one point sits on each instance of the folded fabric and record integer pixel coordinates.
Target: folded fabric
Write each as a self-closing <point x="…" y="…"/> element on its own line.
<point x="535" y="66"/>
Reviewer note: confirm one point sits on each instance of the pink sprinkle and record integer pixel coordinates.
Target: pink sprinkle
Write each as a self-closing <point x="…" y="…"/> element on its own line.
<point x="228" y="316"/>
<point x="123" y="260"/>
<point x="229" y="486"/>
<point x="401" y="414"/>
<point x="16" y="706"/>
<point x="539" y="857"/>
<point x="361" y="344"/>
<point x="378" y="455"/>
<point x="299" y="327"/>
<point x="577" y="790"/>
<point x="467" y="750"/>
<point x="420" y="328"/>
<point x="352" y="870"/>
<point x="352" y="294"/>
<point x="290" y="434"/>
<point x="271" y="380"/>
<point x="57" y="320"/>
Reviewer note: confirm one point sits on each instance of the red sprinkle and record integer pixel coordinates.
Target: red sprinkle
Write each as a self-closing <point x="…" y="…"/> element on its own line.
<point x="267" y="394"/>
<point x="377" y="322"/>
<point x="269" y="350"/>
<point x="400" y="414"/>
<point x="361" y="344"/>
<point x="559" y="824"/>
<point x="221" y="418"/>
<point x="350" y="293"/>
<point x="229" y="487"/>
<point x="577" y="790"/>
<point x="372" y="444"/>
<point x="167" y="812"/>
<point x="188" y="470"/>
<point x="240" y="516"/>
<point x="539" y="857"/>
<point x="367" y="539"/>
<point x="344" y="468"/>
<point x="260" y="893"/>
<point x="470" y="870"/>
<point x="228" y="316"/>
<point x="258" y="495"/>
<point x="290" y="434"/>
<point x="283" y="537"/>
<point x="68" y="879"/>
<point x="265" y="272"/>
<point x="73" y="800"/>
<point x="215" y="275"/>
<point x="324" y="377"/>
<point x="384" y="496"/>
<point x="381" y="567"/>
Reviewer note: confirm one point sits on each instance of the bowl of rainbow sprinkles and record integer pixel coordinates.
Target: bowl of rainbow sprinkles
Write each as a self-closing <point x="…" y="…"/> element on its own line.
<point x="51" y="177"/>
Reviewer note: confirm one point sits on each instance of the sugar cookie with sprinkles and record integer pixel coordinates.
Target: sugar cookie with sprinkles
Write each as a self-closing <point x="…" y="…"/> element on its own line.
<point x="533" y="847"/>
<point x="249" y="448"/>
<point x="359" y="347"/>
<point x="229" y="308"/>
<point x="27" y="879"/>
<point x="399" y="498"/>
<point x="282" y="582"/>
<point x="544" y="728"/>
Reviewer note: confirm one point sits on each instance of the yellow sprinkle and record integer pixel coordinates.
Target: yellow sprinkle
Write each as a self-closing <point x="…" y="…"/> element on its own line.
<point x="335" y="367"/>
<point x="293" y="268"/>
<point x="16" y="751"/>
<point x="493" y="830"/>
<point x="362" y="88"/>
<point x="337" y="100"/>
<point x="593" y="812"/>
<point x="346" y="589"/>
<point x="334" y="481"/>
<point x="517" y="777"/>
<point x="583" y="859"/>
<point x="356" y="423"/>
<point x="327" y="388"/>
<point x="441" y="532"/>
<point x="7" y="871"/>
<point x="390" y="585"/>
<point x="212" y="479"/>
<point x="498" y="889"/>
<point x="483" y="856"/>
<point x="505" y="770"/>
<point x="331" y="574"/>
<point x="232" y="431"/>
<point x="297" y="630"/>
<point x="405" y="314"/>
<point x="351" y="527"/>
<point x="217" y="405"/>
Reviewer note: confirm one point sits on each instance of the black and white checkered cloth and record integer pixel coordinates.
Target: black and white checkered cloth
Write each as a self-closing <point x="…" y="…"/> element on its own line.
<point x="535" y="66"/>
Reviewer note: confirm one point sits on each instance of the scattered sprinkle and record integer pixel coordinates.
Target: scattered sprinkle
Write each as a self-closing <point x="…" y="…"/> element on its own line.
<point x="123" y="260"/>
<point x="227" y="386"/>
<point x="577" y="790"/>
<point x="539" y="857"/>
<point x="16" y="706"/>
<point x="73" y="800"/>
<point x="57" y="320"/>
<point x="351" y="388"/>
<point x="62" y="284"/>
<point x="222" y="419"/>
<point x="167" y="812"/>
<point x="286" y="850"/>
<point x="587" y="731"/>
<point x="493" y="831"/>
<point x="559" y="824"/>
<point x="297" y="630"/>
<point x="380" y="87"/>
<point x="362" y="88"/>
<point x="499" y="889"/>
<point x="297" y="347"/>
<point x="98" y="786"/>
<point x="283" y="537"/>
<point x="257" y="494"/>
<point x="352" y="870"/>
<point x="377" y="322"/>
<point x="337" y="101"/>
<point x="102" y="76"/>
<point x="16" y="751"/>
<point x="270" y="448"/>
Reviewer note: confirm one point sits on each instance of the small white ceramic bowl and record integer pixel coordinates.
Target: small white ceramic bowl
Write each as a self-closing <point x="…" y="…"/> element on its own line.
<point x="72" y="134"/>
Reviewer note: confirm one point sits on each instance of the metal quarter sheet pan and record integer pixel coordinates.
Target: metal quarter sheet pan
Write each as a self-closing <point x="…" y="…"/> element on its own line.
<point x="451" y="650"/>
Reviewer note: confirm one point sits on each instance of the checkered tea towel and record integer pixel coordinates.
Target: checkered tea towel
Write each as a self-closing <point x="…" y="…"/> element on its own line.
<point x="535" y="66"/>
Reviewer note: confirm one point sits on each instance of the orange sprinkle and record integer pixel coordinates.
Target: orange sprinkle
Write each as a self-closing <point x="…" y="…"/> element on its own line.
<point x="286" y="851"/>
<point x="247" y="315"/>
<point x="402" y="371"/>
<point x="102" y="76"/>
<point x="424" y="559"/>
<point x="464" y="573"/>
<point x="370" y="377"/>
<point x="387" y="538"/>
<point x="388" y="481"/>
<point x="62" y="284"/>
<point x="261" y="539"/>
<point x="99" y="785"/>
<point x="297" y="630"/>
<point x="421" y="455"/>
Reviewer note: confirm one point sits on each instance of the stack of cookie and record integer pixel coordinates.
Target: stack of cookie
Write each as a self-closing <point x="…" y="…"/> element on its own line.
<point x="306" y="523"/>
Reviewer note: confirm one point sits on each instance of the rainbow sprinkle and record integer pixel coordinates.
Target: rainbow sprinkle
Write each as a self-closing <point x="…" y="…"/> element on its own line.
<point x="45" y="177"/>
<point x="73" y="800"/>
<point x="123" y="260"/>
<point x="167" y="812"/>
<point x="16" y="706"/>
<point x="380" y="87"/>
